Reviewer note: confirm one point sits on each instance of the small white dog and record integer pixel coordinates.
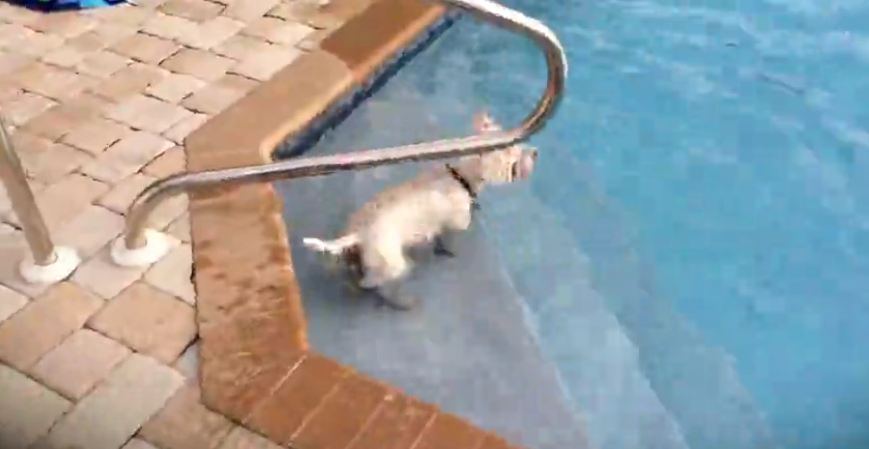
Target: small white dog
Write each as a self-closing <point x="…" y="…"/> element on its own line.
<point x="432" y="207"/>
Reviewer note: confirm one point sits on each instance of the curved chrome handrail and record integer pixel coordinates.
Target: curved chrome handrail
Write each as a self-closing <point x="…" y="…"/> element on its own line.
<point x="486" y="10"/>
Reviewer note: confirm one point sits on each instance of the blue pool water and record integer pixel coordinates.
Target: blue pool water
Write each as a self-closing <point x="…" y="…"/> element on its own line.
<point x="692" y="254"/>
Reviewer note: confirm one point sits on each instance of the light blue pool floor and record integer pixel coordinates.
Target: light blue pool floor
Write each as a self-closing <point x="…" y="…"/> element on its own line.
<point x="688" y="266"/>
<point x="467" y="347"/>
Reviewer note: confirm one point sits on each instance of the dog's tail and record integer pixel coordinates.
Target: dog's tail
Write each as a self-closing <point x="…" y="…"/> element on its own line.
<point x="335" y="247"/>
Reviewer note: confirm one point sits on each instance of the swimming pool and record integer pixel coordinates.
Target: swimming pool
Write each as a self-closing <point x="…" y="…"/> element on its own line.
<point x="688" y="263"/>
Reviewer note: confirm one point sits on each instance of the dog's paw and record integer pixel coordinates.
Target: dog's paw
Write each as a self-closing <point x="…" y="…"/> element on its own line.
<point x="400" y="302"/>
<point x="441" y="250"/>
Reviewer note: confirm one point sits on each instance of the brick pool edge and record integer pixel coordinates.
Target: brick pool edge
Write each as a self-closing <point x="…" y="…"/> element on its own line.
<point x="256" y="365"/>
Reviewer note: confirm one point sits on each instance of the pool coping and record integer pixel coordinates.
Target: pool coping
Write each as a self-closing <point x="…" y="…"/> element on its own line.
<point x="256" y="363"/>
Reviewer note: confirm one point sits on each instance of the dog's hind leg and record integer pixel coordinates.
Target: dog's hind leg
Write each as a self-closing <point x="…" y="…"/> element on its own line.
<point x="385" y="266"/>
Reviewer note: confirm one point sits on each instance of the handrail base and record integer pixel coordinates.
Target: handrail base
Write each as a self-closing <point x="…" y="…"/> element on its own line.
<point x="65" y="262"/>
<point x="156" y="246"/>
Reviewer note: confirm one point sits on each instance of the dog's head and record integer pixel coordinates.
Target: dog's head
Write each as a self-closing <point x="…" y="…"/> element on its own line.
<point x="514" y="163"/>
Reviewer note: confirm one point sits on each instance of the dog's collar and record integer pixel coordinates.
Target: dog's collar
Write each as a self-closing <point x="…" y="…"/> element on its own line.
<point x="465" y="184"/>
<point x="462" y="180"/>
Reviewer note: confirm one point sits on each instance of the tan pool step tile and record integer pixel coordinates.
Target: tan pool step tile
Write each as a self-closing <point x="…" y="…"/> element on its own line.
<point x="185" y="423"/>
<point x="266" y="62"/>
<point x="247" y="11"/>
<point x="66" y="24"/>
<point x="45" y="323"/>
<point x="240" y="45"/>
<point x="96" y="135"/>
<point x="175" y="87"/>
<point x="102" y="64"/>
<point x="64" y="117"/>
<point x="219" y="95"/>
<point x="212" y="33"/>
<point x="169" y="27"/>
<point x="102" y="276"/>
<point x="201" y="64"/>
<point x="121" y="195"/>
<point x="146" y="48"/>
<point x="126" y="156"/>
<point x="79" y="363"/>
<point x="198" y="11"/>
<point x="148" y="113"/>
<point x="182" y="129"/>
<point x="109" y="415"/>
<point x="90" y="230"/>
<point x="44" y="160"/>
<point x="52" y="82"/>
<point x="23" y="106"/>
<point x="278" y="31"/>
<point x="27" y="409"/>
<point x="241" y="438"/>
<point x="171" y="274"/>
<point x="149" y="321"/>
<point x="131" y="80"/>
<point x="138" y="443"/>
<point x="10" y="302"/>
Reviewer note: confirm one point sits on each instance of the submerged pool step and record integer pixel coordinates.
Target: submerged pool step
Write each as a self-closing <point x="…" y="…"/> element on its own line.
<point x="466" y="347"/>
<point x="596" y="359"/>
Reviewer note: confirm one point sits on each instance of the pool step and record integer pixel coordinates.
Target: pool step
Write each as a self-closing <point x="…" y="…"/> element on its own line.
<point x="597" y="361"/>
<point x="466" y="347"/>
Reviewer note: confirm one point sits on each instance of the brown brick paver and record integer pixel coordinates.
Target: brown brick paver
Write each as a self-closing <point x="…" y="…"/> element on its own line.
<point x="79" y="363"/>
<point x="172" y="274"/>
<point x="105" y="278"/>
<point x="175" y="87"/>
<point x="137" y="443"/>
<point x="126" y="156"/>
<point x="108" y="100"/>
<point x="219" y="95"/>
<point x="169" y="163"/>
<point x="241" y="438"/>
<point x="90" y="230"/>
<point x="10" y="302"/>
<point x="146" y="48"/>
<point x="148" y="113"/>
<point x="108" y="416"/>
<point x="198" y="63"/>
<point x="149" y="321"/>
<point x="44" y="323"/>
<point x="66" y="198"/>
<point x="27" y="409"/>
<point x="97" y="135"/>
<point x="171" y="428"/>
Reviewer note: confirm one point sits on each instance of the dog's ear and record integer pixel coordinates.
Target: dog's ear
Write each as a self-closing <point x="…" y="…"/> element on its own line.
<point x="484" y="123"/>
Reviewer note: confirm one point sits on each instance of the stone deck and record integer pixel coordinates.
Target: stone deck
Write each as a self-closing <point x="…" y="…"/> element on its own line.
<point x="102" y="103"/>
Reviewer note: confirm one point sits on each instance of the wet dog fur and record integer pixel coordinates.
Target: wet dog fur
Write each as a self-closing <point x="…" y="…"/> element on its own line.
<point x="434" y="208"/>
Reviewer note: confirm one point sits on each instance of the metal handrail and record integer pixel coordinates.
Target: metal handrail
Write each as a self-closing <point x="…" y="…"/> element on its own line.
<point x="135" y="237"/>
<point x="23" y="202"/>
<point x="47" y="263"/>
